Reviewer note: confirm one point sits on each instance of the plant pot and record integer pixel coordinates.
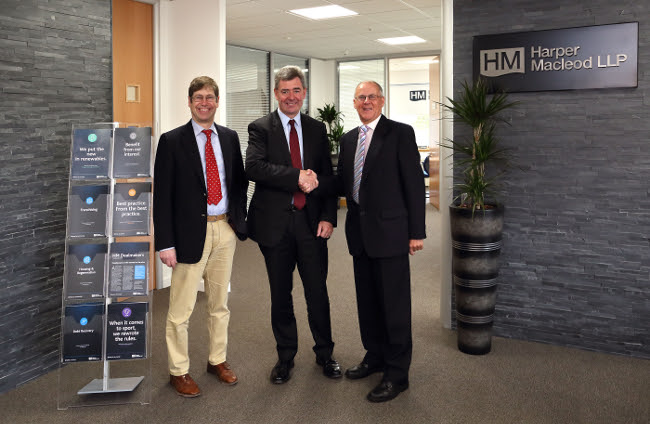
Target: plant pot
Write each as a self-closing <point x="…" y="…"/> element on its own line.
<point x="476" y="242"/>
<point x="335" y="159"/>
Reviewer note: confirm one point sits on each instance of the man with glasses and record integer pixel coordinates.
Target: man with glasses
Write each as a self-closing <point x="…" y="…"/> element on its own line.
<point x="287" y="152"/>
<point x="199" y="209"/>
<point x="380" y="175"/>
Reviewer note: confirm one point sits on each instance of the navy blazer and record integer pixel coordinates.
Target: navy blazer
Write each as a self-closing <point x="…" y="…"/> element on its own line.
<point x="268" y="164"/>
<point x="180" y="195"/>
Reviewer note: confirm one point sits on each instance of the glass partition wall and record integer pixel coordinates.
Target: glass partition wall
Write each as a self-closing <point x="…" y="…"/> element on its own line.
<point x="350" y="75"/>
<point x="411" y="87"/>
<point x="281" y="60"/>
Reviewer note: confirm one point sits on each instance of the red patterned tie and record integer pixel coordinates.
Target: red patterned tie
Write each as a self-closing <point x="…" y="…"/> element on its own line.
<point x="212" y="171"/>
<point x="294" y="146"/>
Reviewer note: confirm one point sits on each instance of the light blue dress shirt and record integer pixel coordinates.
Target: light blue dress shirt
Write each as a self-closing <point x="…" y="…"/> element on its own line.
<point x="201" y="138"/>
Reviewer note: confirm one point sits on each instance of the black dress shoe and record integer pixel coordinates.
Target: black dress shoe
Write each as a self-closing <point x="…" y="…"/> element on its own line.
<point x="361" y="371"/>
<point x="386" y="390"/>
<point x="280" y="373"/>
<point x="331" y="368"/>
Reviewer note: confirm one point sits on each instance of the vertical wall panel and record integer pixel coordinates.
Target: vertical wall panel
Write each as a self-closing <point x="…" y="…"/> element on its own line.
<point x="576" y="261"/>
<point x="55" y="71"/>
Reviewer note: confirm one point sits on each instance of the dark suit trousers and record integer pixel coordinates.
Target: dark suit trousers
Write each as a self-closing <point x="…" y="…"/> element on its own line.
<point x="384" y="303"/>
<point x="299" y="246"/>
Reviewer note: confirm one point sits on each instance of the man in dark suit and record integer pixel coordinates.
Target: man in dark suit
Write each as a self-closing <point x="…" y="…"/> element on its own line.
<point x="199" y="210"/>
<point x="287" y="151"/>
<point x="379" y="172"/>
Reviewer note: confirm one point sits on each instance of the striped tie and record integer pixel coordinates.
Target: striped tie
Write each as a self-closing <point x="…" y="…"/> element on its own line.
<point x="358" y="162"/>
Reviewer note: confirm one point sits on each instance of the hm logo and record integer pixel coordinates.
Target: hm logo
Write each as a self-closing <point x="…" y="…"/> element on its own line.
<point x="499" y="62"/>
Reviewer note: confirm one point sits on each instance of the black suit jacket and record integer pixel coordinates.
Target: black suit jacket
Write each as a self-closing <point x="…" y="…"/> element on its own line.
<point x="391" y="196"/>
<point x="180" y="194"/>
<point x="268" y="164"/>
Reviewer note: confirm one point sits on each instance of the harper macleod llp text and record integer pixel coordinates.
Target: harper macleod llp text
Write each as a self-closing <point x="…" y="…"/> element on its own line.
<point x="560" y="59"/>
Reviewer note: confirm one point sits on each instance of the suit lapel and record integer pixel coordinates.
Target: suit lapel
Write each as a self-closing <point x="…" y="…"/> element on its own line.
<point x="280" y="137"/>
<point x="192" y="149"/>
<point x="378" y="138"/>
<point x="227" y="153"/>
<point x="351" y="138"/>
<point x="307" y="142"/>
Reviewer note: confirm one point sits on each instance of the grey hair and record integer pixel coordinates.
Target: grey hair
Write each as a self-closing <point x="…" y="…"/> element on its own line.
<point x="381" y="91"/>
<point x="288" y="73"/>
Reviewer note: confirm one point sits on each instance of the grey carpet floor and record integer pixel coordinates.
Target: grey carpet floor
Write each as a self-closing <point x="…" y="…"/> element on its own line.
<point x="518" y="382"/>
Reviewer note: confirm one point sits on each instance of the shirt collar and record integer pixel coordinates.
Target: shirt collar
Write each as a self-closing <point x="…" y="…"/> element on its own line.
<point x="285" y="119"/>
<point x="373" y="124"/>
<point x="198" y="129"/>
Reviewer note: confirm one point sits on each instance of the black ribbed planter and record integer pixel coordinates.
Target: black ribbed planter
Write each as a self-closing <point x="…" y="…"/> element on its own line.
<point x="476" y="244"/>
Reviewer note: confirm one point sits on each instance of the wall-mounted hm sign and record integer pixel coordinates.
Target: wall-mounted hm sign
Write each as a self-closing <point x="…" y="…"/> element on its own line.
<point x="603" y="56"/>
<point x="417" y="95"/>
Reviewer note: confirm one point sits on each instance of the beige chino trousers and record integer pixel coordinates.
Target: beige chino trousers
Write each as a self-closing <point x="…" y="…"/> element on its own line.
<point x="215" y="267"/>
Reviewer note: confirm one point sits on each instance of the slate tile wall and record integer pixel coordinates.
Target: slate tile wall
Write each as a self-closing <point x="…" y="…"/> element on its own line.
<point x="576" y="261"/>
<point x="55" y="71"/>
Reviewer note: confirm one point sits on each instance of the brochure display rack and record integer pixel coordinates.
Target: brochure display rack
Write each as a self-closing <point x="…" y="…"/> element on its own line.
<point x="105" y="355"/>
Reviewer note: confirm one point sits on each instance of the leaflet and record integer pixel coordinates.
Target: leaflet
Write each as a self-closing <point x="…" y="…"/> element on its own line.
<point x="83" y="332"/>
<point x="132" y="152"/>
<point x="126" y="331"/>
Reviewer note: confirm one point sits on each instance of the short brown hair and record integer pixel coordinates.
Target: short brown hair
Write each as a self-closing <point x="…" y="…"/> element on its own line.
<point x="288" y="73"/>
<point x="199" y="83"/>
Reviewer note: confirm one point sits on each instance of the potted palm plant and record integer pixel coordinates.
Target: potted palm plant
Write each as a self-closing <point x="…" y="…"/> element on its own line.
<point x="476" y="218"/>
<point x="333" y="119"/>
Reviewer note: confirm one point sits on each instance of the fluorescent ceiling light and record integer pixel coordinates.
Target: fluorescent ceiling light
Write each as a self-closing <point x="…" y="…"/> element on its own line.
<point x="411" y="39"/>
<point x="323" y="12"/>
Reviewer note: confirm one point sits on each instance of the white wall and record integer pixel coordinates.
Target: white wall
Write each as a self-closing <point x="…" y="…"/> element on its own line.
<point x="322" y="84"/>
<point x="446" y="163"/>
<point x="191" y="44"/>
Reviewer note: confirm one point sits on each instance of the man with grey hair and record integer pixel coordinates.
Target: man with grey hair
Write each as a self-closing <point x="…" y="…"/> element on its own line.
<point x="287" y="151"/>
<point x="379" y="173"/>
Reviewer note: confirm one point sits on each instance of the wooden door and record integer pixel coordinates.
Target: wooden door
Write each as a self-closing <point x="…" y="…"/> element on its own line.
<point x="133" y="80"/>
<point x="132" y="62"/>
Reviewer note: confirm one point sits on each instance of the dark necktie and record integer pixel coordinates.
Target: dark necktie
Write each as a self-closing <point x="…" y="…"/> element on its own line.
<point x="294" y="146"/>
<point x="212" y="172"/>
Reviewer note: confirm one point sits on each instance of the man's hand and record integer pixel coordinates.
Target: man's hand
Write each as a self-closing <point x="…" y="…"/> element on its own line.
<point x="415" y="245"/>
<point x="168" y="257"/>
<point x="325" y="229"/>
<point x="307" y="181"/>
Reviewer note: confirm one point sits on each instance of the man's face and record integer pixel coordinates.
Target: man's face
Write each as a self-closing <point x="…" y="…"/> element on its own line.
<point x="368" y="102"/>
<point x="203" y="105"/>
<point x="290" y="95"/>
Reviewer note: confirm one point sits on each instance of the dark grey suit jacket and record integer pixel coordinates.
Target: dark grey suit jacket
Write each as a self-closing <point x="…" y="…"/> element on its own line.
<point x="268" y="164"/>
<point x="180" y="194"/>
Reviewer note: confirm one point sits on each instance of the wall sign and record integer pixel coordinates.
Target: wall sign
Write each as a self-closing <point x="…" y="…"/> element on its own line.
<point x="417" y="95"/>
<point x="603" y="56"/>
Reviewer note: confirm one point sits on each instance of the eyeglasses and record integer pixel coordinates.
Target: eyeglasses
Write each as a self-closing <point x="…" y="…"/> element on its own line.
<point x="200" y="99"/>
<point x="286" y="91"/>
<point x="370" y="98"/>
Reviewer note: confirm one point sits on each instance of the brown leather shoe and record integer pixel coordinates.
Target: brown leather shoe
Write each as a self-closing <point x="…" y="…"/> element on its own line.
<point x="184" y="385"/>
<point x="223" y="372"/>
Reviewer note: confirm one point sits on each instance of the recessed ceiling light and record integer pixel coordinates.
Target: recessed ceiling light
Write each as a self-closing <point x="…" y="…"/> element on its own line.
<point x="411" y="39"/>
<point x="323" y="12"/>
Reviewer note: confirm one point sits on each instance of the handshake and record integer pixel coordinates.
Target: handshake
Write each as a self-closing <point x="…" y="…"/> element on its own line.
<point x="307" y="181"/>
